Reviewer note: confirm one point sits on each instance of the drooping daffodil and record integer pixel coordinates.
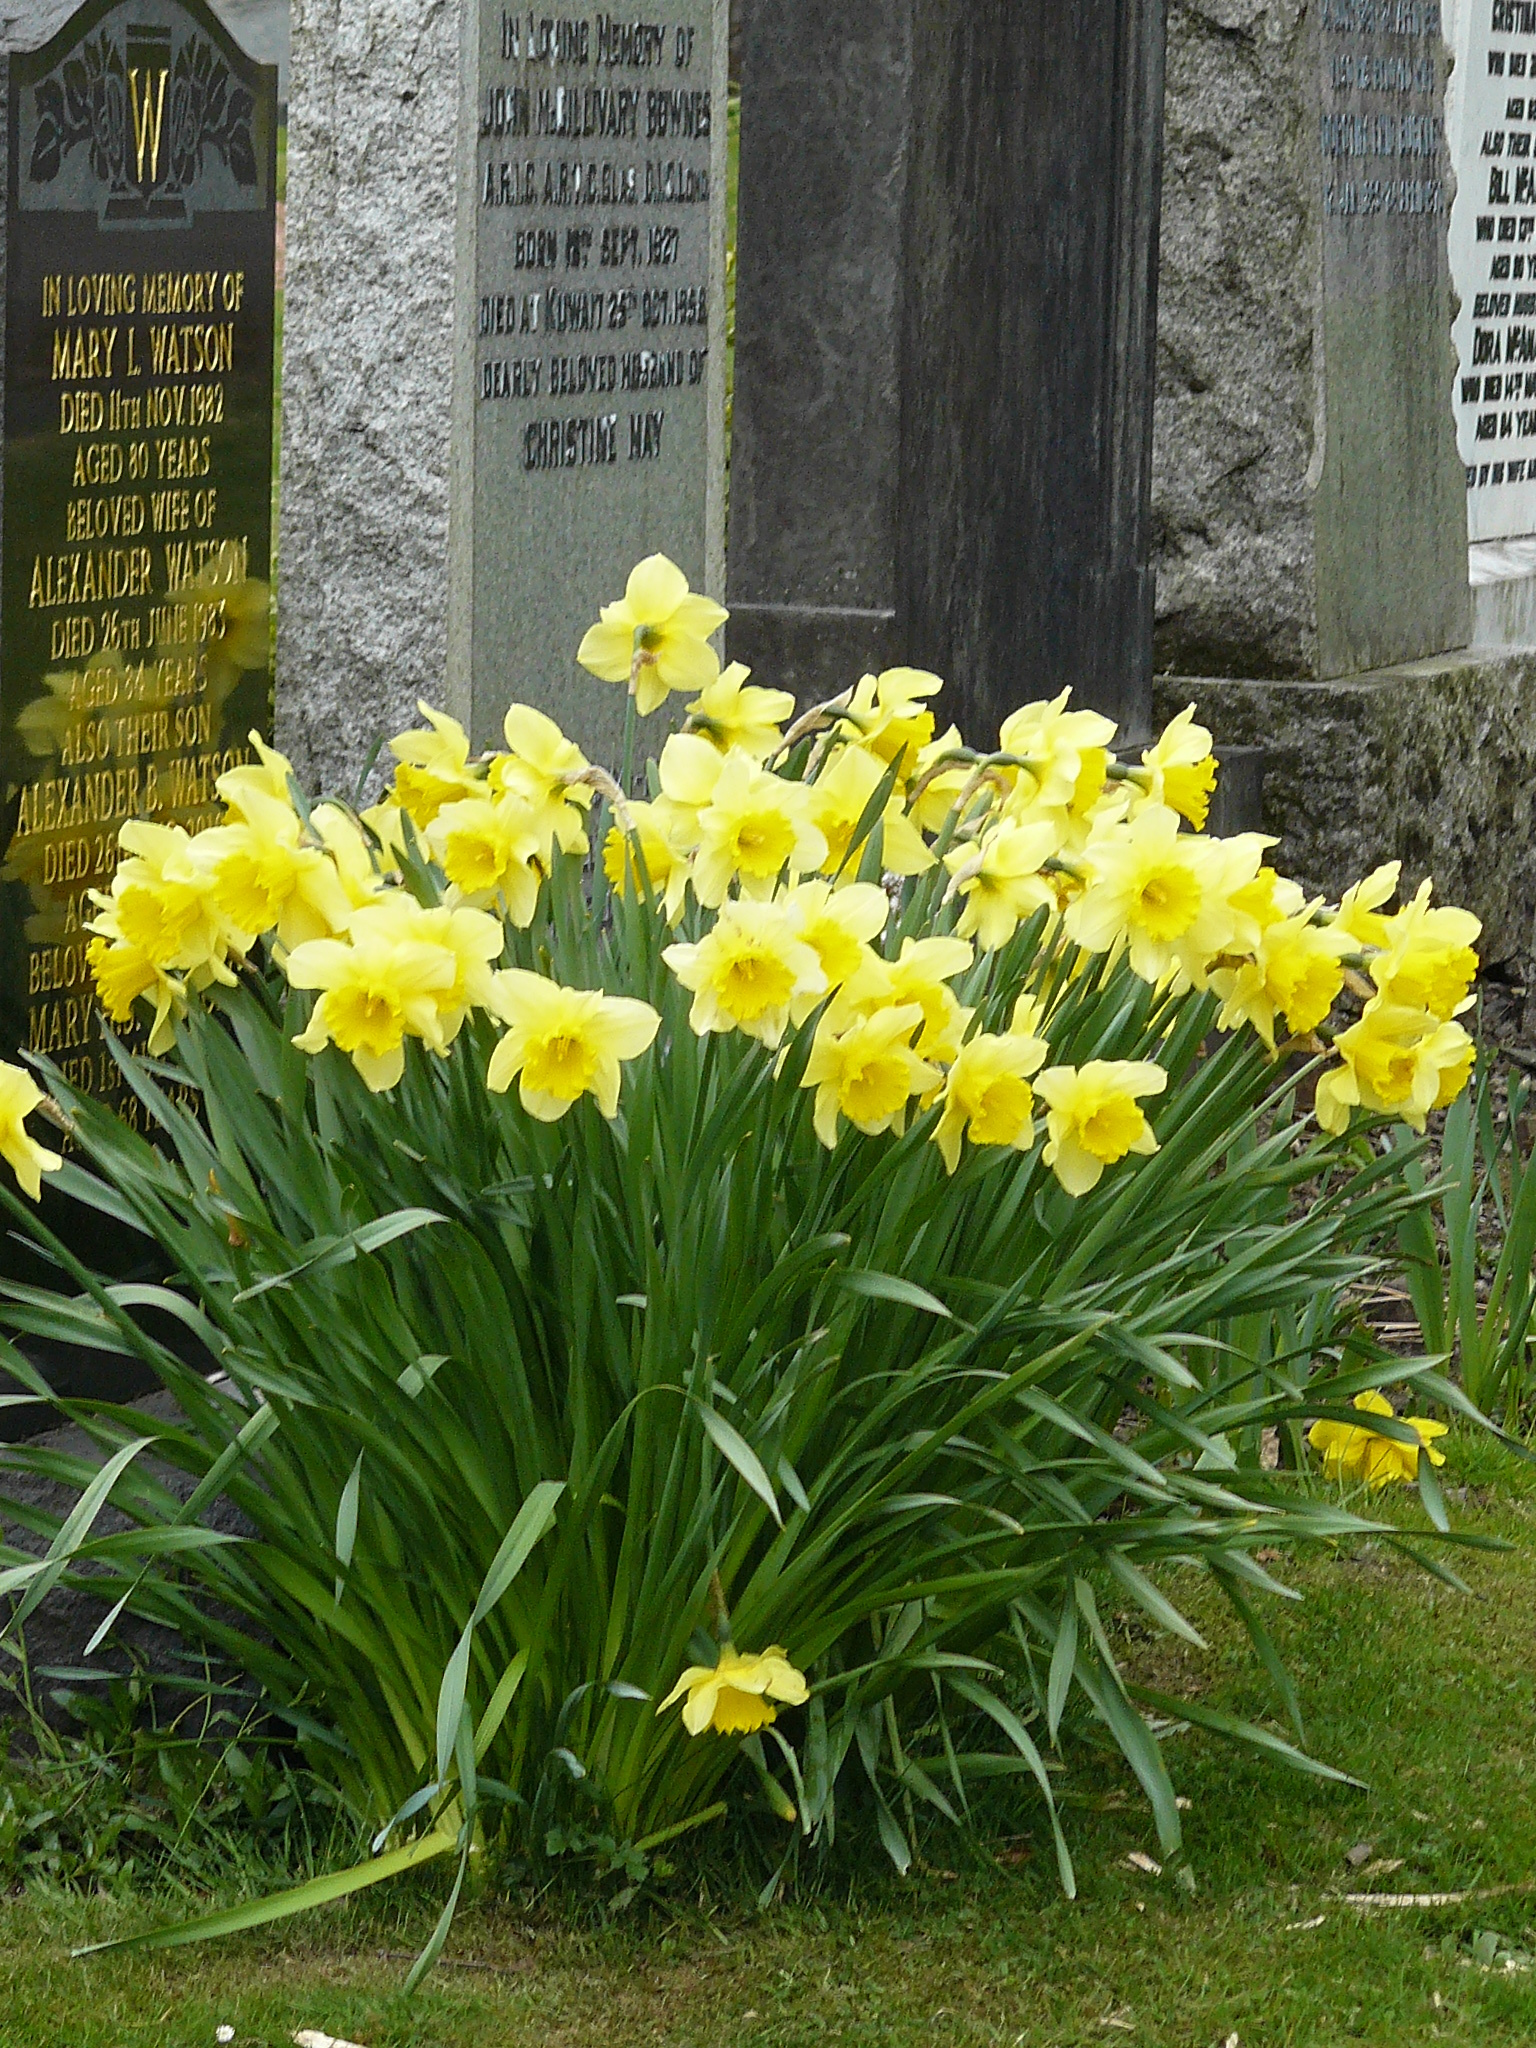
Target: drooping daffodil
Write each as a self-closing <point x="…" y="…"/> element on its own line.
<point x="732" y="1697"/>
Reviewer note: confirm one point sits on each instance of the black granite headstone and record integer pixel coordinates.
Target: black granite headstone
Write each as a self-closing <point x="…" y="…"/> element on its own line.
<point x="140" y="145"/>
<point x="136" y="488"/>
<point x="946" y="327"/>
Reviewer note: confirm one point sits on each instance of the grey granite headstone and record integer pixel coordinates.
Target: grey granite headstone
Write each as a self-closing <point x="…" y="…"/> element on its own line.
<point x="589" y="407"/>
<point x="1309" y="497"/>
<point x="451" y="519"/>
<point x="945" y="316"/>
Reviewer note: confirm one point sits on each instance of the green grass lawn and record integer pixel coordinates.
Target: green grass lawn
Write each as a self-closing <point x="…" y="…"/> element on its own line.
<point x="1426" y="1693"/>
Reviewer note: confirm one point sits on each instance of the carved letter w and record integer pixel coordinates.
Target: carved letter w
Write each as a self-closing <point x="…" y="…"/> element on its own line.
<point x="148" y="121"/>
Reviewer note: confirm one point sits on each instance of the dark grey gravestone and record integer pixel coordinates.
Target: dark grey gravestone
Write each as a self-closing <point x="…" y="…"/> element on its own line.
<point x="139" y="145"/>
<point x="946" y="315"/>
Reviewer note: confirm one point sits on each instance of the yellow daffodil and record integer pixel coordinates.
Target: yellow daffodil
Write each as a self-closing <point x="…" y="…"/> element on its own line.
<point x="1181" y="770"/>
<point x="868" y="1073"/>
<point x="1001" y="881"/>
<point x="735" y="716"/>
<point x="433" y="767"/>
<point x="1058" y="744"/>
<point x="122" y="974"/>
<point x="544" y="770"/>
<point x="489" y="848"/>
<point x="889" y="716"/>
<point x="988" y="1096"/>
<point x="922" y="976"/>
<point x="1296" y="972"/>
<point x="938" y="788"/>
<point x="269" y="779"/>
<point x="402" y="972"/>
<point x="1430" y="962"/>
<point x="839" y="925"/>
<point x="1352" y="1453"/>
<point x="469" y="939"/>
<point x="1395" y="1061"/>
<point x="1164" y="892"/>
<point x="563" y="1043"/>
<point x="732" y="1696"/>
<point x="1095" y="1117"/>
<point x="748" y="972"/>
<point x="29" y="1161"/>
<point x="1267" y="900"/>
<point x="269" y="876"/>
<point x="644" y="838"/>
<point x="163" y="902"/>
<point x="840" y="798"/>
<point x="656" y="639"/>
<point x="342" y="837"/>
<point x="755" y="827"/>
<point x="688" y="771"/>
<point x="1359" y="915"/>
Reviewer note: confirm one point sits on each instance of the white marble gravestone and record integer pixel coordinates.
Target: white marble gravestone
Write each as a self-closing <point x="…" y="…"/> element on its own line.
<point x="1493" y="261"/>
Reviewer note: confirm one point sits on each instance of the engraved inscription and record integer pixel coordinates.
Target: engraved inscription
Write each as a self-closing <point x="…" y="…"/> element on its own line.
<point x="634" y="98"/>
<point x="1493" y="257"/>
<point x="138" y="395"/>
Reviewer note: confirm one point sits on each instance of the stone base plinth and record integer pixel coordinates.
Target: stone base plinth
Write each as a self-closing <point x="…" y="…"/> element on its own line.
<point x="1503" y="578"/>
<point x="1432" y="763"/>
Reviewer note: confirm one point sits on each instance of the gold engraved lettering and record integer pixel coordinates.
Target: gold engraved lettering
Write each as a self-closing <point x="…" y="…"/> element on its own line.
<point x="83" y="354"/>
<point x="148" y="120"/>
<point x="61" y="580"/>
<point x="191" y="350"/>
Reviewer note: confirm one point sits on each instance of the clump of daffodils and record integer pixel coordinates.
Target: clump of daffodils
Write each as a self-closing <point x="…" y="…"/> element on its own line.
<point x="918" y="907"/>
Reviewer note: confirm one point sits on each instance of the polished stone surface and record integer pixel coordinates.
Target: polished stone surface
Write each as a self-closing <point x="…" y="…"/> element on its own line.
<point x="945" y="310"/>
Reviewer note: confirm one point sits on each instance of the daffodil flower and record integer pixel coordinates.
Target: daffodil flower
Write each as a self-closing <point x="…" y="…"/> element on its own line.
<point x="29" y="1161"/>
<point x="1428" y="961"/>
<point x="1057" y="744"/>
<point x="489" y="848"/>
<point x="656" y="639"/>
<point x="736" y="716"/>
<point x="987" y="1096"/>
<point x="755" y="828"/>
<point x="1095" y="1117"/>
<point x="564" y="1043"/>
<point x="839" y="925"/>
<point x="1180" y="771"/>
<point x="1001" y="880"/>
<point x="1396" y="1061"/>
<point x="434" y="767"/>
<point x="749" y="972"/>
<point x="1351" y="1453"/>
<point x="732" y="1696"/>
<point x="868" y="1073"/>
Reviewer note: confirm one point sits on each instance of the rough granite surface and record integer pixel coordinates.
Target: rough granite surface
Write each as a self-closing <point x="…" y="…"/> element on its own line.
<point x="363" y="546"/>
<point x="1433" y="764"/>
<point x="1237" y="426"/>
<point x="1309" y="505"/>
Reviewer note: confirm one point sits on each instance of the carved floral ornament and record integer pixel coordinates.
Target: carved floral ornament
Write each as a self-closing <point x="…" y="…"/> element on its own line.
<point x="147" y="127"/>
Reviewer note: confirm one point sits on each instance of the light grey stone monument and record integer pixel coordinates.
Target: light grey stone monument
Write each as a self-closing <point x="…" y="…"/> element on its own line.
<point x="504" y="368"/>
<point x="1310" y="500"/>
